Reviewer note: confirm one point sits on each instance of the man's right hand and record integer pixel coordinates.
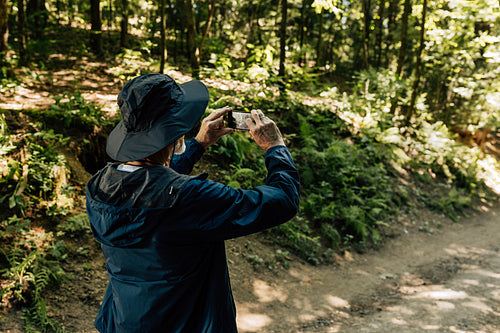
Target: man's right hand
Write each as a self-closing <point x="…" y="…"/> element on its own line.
<point x="264" y="131"/>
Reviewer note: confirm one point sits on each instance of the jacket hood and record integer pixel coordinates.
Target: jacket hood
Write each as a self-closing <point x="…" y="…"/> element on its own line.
<point x="124" y="208"/>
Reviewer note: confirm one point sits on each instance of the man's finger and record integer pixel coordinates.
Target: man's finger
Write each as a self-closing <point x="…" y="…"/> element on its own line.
<point x="219" y="113"/>
<point x="216" y="124"/>
<point x="251" y="124"/>
<point x="257" y="115"/>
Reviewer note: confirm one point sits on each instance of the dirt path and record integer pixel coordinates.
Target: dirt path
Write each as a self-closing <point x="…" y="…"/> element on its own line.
<point x="447" y="281"/>
<point x="423" y="280"/>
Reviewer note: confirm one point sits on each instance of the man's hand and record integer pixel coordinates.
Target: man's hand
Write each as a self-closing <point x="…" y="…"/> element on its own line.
<point x="264" y="131"/>
<point x="212" y="128"/>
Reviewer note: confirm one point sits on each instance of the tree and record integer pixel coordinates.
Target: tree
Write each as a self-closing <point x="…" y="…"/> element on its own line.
<point x="207" y="28"/>
<point x="191" y="38"/>
<point x="37" y="16"/>
<point x="319" y="45"/>
<point x="4" y="25"/>
<point x="21" y="25"/>
<point x="321" y="6"/>
<point x="124" y="24"/>
<point x="418" y="66"/>
<point x="304" y="17"/>
<point x="392" y="12"/>
<point x="96" y="27"/>
<point x="380" y="31"/>
<point x="284" y="6"/>
<point x="403" y="39"/>
<point x="163" y="48"/>
<point x="402" y="48"/>
<point x="366" y="31"/>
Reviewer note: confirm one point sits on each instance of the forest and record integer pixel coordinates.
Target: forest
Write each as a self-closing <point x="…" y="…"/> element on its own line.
<point x="388" y="107"/>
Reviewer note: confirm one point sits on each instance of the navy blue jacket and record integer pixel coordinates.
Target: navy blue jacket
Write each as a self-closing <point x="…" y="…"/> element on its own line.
<point x="162" y="234"/>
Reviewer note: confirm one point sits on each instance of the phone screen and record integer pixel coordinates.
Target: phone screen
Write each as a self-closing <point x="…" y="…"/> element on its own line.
<point x="237" y="120"/>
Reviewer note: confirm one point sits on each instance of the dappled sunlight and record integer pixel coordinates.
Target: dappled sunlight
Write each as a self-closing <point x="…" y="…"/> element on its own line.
<point x="249" y="321"/>
<point x="337" y="302"/>
<point x="488" y="273"/>
<point x="267" y="293"/>
<point x="437" y="293"/>
<point x="25" y="98"/>
<point x="456" y="293"/>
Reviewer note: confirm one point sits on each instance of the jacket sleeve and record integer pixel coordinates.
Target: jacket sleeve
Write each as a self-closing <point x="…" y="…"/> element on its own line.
<point x="212" y="211"/>
<point x="185" y="162"/>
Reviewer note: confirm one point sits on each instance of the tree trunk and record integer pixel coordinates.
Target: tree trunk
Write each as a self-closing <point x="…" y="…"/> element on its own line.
<point x="163" y="48"/>
<point x="281" y="72"/>
<point x="319" y="46"/>
<point x="21" y="25"/>
<point x="191" y="38"/>
<point x="124" y="25"/>
<point x="110" y="16"/>
<point x="366" y="31"/>
<point x="391" y="15"/>
<point x="404" y="30"/>
<point x="4" y="25"/>
<point x="302" y="26"/>
<point x="418" y="65"/>
<point x="37" y="16"/>
<point x="402" y="49"/>
<point x="96" y="29"/>
<point x="380" y="28"/>
<point x="207" y="27"/>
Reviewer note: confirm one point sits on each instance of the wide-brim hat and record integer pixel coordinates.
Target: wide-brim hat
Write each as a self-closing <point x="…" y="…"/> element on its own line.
<point x="156" y="111"/>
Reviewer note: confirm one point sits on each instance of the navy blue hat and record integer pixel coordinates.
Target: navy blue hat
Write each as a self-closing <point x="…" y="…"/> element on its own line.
<point x="156" y="111"/>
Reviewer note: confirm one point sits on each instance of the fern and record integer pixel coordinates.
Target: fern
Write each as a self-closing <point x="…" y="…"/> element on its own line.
<point x="37" y="317"/>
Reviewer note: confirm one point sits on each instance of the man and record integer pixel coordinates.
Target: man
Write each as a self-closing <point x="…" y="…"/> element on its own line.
<point x="162" y="232"/>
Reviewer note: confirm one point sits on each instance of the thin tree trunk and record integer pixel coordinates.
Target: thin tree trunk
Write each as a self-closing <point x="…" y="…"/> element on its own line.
<point x="21" y="25"/>
<point x="418" y="65"/>
<point x="96" y="29"/>
<point x="319" y="46"/>
<point x="366" y="31"/>
<point x="173" y="19"/>
<point x="191" y="38"/>
<point x="124" y="25"/>
<point x="391" y="15"/>
<point x="163" y="48"/>
<point x="110" y="16"/>
<point x="284" y="6"/>
<point x="402" y="49"/>
<point x="380" y="28"/>
<point x="404" y="30"/>
<point x="207" y="27"/>
<point x="37" y="16"/>
<point x="4" y="25"/>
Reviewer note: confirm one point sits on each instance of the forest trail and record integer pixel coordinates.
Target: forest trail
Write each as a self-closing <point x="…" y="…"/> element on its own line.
<point x="444" y="281"/>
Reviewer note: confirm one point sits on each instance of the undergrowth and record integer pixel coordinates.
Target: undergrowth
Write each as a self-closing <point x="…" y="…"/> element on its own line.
<point x="352" y="153"/>
<point x="36" y="202"/>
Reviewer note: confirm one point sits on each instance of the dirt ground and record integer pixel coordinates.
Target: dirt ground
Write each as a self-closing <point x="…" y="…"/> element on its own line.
<point x="434" y="275"/>
<point x="445" y="279"/>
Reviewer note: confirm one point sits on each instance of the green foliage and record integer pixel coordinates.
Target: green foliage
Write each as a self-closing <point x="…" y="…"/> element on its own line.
<point x="352" y="198"/>
<point x="36" y="317"/>
<point x="298" y="236"/>
<point x="40" y="175"/>
<point x="34" y="179"/>
<point x="76" y="224"/>
<point x="73" y="111"/>
<point x="29" y="269"/>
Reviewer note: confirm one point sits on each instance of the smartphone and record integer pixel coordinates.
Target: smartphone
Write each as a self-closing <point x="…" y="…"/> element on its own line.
<point x="237" y="120"/>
